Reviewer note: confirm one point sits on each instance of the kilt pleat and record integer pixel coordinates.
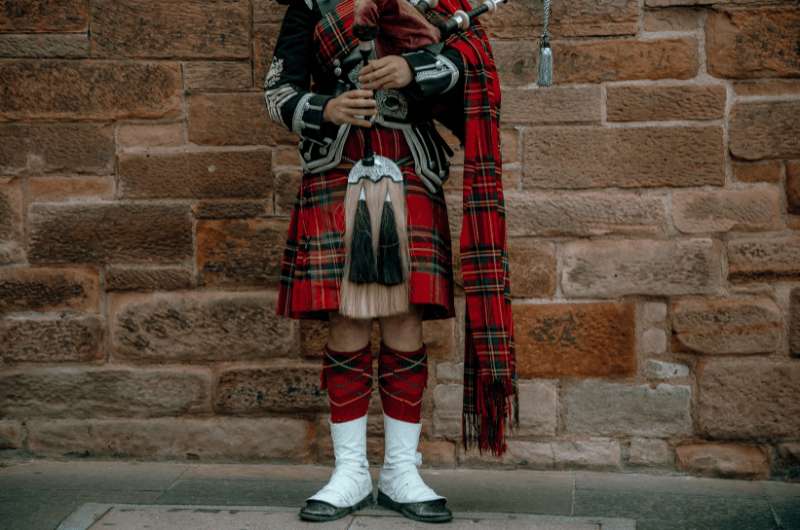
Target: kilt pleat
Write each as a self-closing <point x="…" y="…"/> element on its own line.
<point x="314" y="256"/>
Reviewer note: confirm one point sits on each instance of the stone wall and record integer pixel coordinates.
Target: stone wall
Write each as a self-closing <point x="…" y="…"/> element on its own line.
<point x="654" y="209"/>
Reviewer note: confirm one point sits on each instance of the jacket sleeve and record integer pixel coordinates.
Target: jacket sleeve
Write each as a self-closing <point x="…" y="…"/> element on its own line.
<point x="287" y="94"/>
<point x="437" y="69"/>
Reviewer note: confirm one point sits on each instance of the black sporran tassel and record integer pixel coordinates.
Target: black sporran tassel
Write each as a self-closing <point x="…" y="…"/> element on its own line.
<point x="362" y="257"/>
<point x="390" y="265"/>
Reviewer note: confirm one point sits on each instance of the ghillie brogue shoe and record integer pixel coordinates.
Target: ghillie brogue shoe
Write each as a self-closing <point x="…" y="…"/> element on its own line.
<point x="400" y="487"/>
<point x="350" y="486"/>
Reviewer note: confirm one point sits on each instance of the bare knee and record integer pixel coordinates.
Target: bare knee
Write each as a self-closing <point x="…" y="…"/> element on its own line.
<point x="402" y="332"/>
<point x="348" y="334"/>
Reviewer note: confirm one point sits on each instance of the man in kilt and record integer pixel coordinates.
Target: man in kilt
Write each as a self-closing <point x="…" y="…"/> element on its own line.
<point x="379" y="247"/>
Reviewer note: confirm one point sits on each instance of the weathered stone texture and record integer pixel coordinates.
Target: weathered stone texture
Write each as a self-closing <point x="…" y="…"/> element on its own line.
<point x="675" y="102"/>
<point x="751" y="399"/>
<point x="553" y="104"/>
<point x="88" y="89"/>
<point x="623" y="267"/>
<point x="171" y="438"/>
<point x="189" y="327"/>
<point x="110" y="232"/>
<point x="793" y="187"/>
<point x="11" y="434"/>
<point x="584" y="214"/>
<point x="211" y="76"/>
<point x="291" y="388"/>
<point x="240" y="252"/>
<point x="82" y="392"/>
<point x="649" y="452"/>
<point x="189" y="174"/>
<point x="11" y="249"/>
<point x="182" y="28"/>
<point x="624" y="157"/>
<point x="233" y="119"/>
<point x="723" y="460"/>
<point x="758" y="42"/>
<point x="532" y="264"/>
<point x="794" y="322"/>
<point x="765" y="129"/>
<point x="55" y="189"/>
<point x="45" y="289"/>
<point x="32" y="46"/>
<point x="764" y="258"/>
<point x="133" y="278"/>
<point x="44" y="15"/>
<point x="51" y="339"/>
<point x="736" y="325"/>
<point x="600" y="407"/>
<point x="594" y="339"/>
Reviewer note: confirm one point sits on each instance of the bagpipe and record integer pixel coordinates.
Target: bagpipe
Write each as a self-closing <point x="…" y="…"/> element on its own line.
<point x="376" y="267"/>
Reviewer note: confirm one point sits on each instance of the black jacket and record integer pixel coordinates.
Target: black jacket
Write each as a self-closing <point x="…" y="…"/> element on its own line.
<point x="297" y="87"/>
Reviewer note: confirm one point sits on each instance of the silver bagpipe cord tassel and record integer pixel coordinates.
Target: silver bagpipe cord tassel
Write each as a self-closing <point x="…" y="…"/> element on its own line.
<point x="374" y="282"/>
<point x="545" y="52"/>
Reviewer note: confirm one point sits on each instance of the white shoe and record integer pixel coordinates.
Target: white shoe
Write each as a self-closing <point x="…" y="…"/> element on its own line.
<point x="350" y="485"/>
<point x="400" y="487"/>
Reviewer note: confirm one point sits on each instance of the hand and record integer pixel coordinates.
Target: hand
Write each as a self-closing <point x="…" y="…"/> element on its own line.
<point x="351" y="107"/>
<point x="391" y="71"/>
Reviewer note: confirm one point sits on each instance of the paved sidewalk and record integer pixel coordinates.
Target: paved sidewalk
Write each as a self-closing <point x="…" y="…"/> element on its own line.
<point x="50" y="494"/>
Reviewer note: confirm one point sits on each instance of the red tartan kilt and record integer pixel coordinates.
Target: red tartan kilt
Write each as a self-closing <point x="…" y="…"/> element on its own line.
<point x="314" y="256"/>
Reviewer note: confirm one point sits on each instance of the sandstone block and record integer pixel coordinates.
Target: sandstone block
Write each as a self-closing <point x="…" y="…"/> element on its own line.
<point x="756" y="42"/>
<point x="264" y="38"/>
<point x="538" y="401"/>
<point x="12" y="434"/>
<point x="673" y="19"/>
<point x="592" y="453"/>
<point x="182" y="28"/>
<point x="766" y="87"/>
<point x="72" y="45"/>
<point x="233" y="119"/>
<point x="195" y="174"/>
<point x="210" y="76"/>
<point x="625" y="267"/>
<point x="48" y="289"/>
<point x="100" y="392"/>
<point x="584" y="339"/>
<point x="448" y="402"/>
<point x="37" y="149"/>
<point x="232" y="208"/>
<point x="532" y="264"/>
<point x="600" y="407"/>
<point x="578" y="18"/>
<point x="64" y="15"/>
<point x="584" y="214"/>
<point x="11" y="249"/>
<point x="109" y="232"/>
<point x="516" y="60"/>
<point x="765" y="129"/>
<point x="650" y="452"/>
<point x="290" y="388"/>
<point x="195" y="326"/>
<point x="723" y="460"/>
<point x="595" y="61"/>
<point x="676" y="102"/>
<point x="793" y="187"/>
<point x="551" y="105"/>
<point x="761" y="171"/>
<point x="150" y="134"/>
<point x="51" y="338"/>
<point x="736" y="325"/>
<point x="55" y="189"/>
<point x="240" y="252"/>
<point x="748" y="399"/>
<point x="174" y="438"/>
<point x="623" y="157"/>
<point x="794" y="322"/>
<point x="764" y="257"/>
<point x="88" y="89"/>
<point x="133" y="278"/>
<point x="665" y="370"/>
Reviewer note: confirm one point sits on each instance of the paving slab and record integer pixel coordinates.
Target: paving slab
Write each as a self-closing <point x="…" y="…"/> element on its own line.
<point x="41" y="494"/>
<point x="188" y="517"/>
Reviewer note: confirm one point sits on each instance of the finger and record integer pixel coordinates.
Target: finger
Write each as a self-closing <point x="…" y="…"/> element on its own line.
<point x="361" y="103"/>
<point x="358" y="121"/>
<point x="375" y="74"/>
<point x="358" y="94"/>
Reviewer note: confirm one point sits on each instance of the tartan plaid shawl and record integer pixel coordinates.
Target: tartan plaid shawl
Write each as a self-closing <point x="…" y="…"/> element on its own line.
<point x="491" y="401"/>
